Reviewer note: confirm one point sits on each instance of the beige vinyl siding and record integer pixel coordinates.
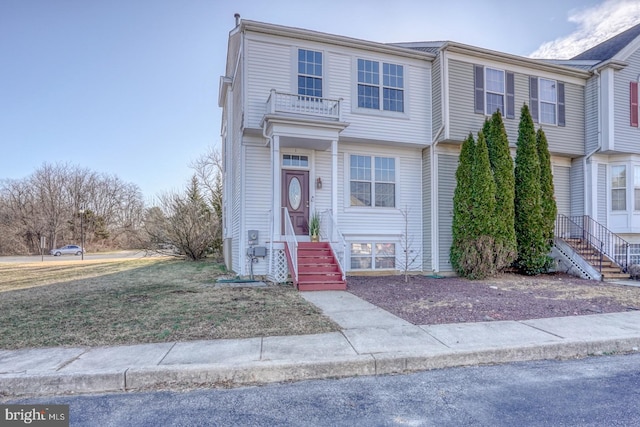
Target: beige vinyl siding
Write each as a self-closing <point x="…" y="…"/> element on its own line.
<point x="562" y="189"/>
<point x="577" y="186"/>
<point x="269" y="66"/>
<point x="591" y="114"/>
<point x="322" y="165"/>
<point x="272" y="64"/>
<point x="447" y="165"/>
<point x="426" y="211"/>
<point x="462" y="118"/>
<point x="627" y="137"/>
<point x="258" y="198"/>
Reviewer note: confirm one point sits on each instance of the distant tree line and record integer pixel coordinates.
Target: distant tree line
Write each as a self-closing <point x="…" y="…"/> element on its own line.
<point x="55" y="199"/>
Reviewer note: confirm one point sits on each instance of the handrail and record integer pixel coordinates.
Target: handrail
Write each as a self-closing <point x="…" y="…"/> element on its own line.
<point x="330" y="232"/>
<point x="303" y="104"/>
<point x="583" y="232"/>
<point x="292" y="243"/>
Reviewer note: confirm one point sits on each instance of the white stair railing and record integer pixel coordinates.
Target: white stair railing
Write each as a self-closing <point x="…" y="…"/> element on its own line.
<point x="330" y="232"/>
<point x="292" y="243"/>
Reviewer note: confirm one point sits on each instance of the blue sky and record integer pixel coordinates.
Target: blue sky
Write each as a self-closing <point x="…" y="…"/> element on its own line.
<point x="130" y="87"/>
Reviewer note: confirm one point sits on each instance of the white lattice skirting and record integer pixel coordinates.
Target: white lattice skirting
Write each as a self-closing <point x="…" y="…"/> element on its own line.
<point x="279" y="268"/>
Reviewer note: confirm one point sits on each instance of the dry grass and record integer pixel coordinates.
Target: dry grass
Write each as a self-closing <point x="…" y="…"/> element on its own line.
<point x="141" y="301"/>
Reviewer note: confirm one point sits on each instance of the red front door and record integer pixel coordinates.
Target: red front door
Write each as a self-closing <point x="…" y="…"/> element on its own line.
<point x="295" y="197"/>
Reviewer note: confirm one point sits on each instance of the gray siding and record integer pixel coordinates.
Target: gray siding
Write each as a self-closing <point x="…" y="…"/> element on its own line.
<point x="602" y="194"/>
<point x="426" y="210"/>
<point x="568" y="139"/>
<point x="562" y="189"/>
<point x="627" y="138"/>
<point x="577" y="187"/>
<point x="447" y="165"/>
<point x="591" y="114"/>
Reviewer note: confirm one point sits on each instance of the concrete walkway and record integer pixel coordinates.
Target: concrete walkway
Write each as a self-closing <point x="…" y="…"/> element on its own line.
<point x="372" y="342"/>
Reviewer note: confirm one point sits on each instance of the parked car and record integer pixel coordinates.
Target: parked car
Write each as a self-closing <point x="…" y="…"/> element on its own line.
<point x="67" y="250"/>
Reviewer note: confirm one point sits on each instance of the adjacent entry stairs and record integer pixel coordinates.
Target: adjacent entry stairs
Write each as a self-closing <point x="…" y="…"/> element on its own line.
<point x="318" y="269"/>
<point x="602" y="249"/>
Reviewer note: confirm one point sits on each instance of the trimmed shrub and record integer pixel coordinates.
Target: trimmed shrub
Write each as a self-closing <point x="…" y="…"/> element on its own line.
<point x="548" y="201"/>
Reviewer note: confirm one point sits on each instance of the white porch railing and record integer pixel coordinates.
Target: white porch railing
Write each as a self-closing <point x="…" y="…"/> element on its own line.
<point x="330" y="232"/>
<point x="280" y="102"/>
<point x="292" y="243"/>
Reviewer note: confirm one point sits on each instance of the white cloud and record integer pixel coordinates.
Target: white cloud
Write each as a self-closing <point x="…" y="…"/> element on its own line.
<point x="595" y="25"/>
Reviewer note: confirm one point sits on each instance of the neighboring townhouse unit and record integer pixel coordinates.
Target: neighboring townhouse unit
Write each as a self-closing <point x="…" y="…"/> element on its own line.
<point x="469" y="85"/>
<point x="319" y="123"/>
<point x="367" y="135"/>
<point x="612" y="175"/>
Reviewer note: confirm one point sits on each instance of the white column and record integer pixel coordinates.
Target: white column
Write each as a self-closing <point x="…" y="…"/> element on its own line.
<point x="277" y="190"/>
<point x="334" y="180"/>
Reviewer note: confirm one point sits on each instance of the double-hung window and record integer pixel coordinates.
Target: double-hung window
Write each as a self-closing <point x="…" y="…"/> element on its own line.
<point x="618" y="188"/>
<point x="494" y="90"/>
<point x="309" y="72"/>
<point x="372" y="181"/>
<point x="636" y="188"/>
<point x="370" y="86"/>
<point x="546" y="101"/>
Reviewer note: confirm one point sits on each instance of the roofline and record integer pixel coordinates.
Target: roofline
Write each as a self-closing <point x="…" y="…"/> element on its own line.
<point x="515" y="59"/>
<point x="316" y="36"/>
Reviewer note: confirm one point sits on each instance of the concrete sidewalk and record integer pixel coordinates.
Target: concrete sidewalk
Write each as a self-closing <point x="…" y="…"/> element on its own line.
<point x="372" y="342"/>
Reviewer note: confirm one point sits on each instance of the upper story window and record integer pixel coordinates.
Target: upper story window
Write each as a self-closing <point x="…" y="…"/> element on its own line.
<point x="370" y="86"/>
<point x="372" y="181"/>
<point x="546" y="101"/>
<point x="494" y="90"/>
<point x="309" y="72"/>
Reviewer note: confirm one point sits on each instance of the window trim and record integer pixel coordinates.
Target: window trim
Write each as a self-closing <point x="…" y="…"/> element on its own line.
<point x="297" y="73"/>
<point x="372" y="257"/>
<point x="480" y="91"/>
<point x="381" y="88"/>
<point x="372" y="181"/>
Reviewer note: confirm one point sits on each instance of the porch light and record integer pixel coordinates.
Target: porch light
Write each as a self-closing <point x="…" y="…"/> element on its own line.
<point x="319" y="183"/>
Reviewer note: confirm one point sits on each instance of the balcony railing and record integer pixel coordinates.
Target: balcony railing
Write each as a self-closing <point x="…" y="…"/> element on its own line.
<point x="280" y="102"/>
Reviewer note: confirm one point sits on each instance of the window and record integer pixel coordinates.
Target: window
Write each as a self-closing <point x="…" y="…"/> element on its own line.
<point x="372" y="189"/>
<point x="370" y="86"/>
<point x="546" y="101"/>
<point x="309" y="73"/>
<point x="494" y="90"/>
<point x="295" y="160"/>
<point x="618" y="188"/>
<point x="367" y="256"/>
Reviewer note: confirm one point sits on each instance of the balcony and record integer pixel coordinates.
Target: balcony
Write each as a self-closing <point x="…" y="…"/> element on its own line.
<point x="302" y="105"/>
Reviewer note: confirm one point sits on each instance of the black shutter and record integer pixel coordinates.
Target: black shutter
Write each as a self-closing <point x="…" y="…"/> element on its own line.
<point x="533" y="98"/>
<point x="478" y="72"/>
<point x="511" y="102"/>
<point x="561" y="109"/>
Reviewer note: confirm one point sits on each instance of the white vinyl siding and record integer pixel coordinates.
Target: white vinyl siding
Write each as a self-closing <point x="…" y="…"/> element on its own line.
<point x="602" y="194"/>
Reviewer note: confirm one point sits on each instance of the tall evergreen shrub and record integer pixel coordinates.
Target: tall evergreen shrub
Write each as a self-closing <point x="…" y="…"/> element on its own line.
<point x="502" y="167"/>
<point x="529" y="224"/>
<point x="462" y="204"/>
<point x="549" y="208"/>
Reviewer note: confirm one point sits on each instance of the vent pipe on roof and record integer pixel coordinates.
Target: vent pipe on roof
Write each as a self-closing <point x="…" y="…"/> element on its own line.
<point x="237" y="16"/>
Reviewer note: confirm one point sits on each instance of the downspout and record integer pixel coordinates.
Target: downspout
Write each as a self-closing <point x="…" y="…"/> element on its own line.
<point x="599" y="144"/>
<point x="434" y="187"/>
<point x="272" y="215"/>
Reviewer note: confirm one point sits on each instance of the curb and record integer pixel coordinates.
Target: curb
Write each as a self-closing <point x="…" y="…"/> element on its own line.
<point x="266" y="372"/>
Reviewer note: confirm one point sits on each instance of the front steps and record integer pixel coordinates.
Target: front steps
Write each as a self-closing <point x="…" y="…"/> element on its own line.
<point x="610" y="270"/>
<point x="318" y="269"/>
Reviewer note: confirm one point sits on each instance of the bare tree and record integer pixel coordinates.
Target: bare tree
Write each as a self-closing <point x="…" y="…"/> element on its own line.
<point x="208" y="169"/>
<point x="409" y="258"/>
<point x="184" y="221"/>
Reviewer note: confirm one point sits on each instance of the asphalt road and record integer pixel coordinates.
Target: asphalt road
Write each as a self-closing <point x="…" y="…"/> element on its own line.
<point x="591" y="392"/>
<point x="87" y="256"/>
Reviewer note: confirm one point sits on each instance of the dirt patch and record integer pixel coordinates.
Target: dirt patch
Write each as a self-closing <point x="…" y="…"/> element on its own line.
<point x="429" y="301"/>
